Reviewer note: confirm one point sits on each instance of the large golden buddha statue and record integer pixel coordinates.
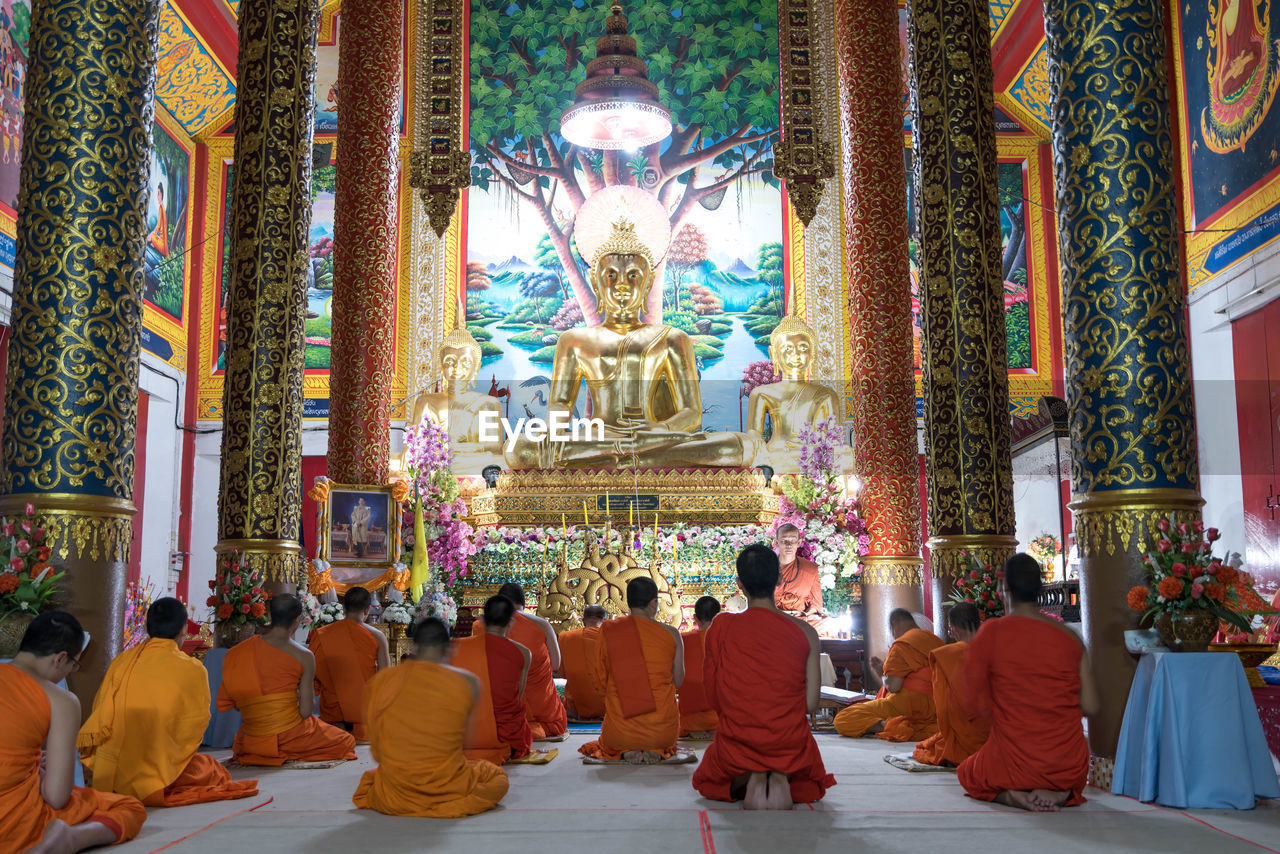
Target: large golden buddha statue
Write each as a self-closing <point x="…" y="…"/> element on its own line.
<point x="642" y="378"/>
<point x="792" y="402"/>
<point x="457" y="409"/>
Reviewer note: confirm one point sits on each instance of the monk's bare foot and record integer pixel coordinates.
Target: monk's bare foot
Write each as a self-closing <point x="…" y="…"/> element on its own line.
<point x="1049" y="800"/>
<point x="57" y="839"/>
<point x="1023" y="800"/>
<point x="642" y="757"/>
<point x="779" y="791"/>
<point x="757" y="797"/>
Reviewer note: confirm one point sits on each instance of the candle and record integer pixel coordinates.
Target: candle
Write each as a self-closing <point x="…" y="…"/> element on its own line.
<point x="564" y="527"/>
<point x="655" y="530"/>
<point x="586" y="521"/>
<point x="606" y="504"/>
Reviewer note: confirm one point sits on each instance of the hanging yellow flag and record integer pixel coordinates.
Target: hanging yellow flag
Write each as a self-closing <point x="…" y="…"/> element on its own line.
<point x="420" y="571"/>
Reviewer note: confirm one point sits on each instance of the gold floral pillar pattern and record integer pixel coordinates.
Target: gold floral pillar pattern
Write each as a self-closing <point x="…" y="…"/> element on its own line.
<point x="883" y="406"/>
<point x="260" y="499"/>
<point x="1129" y="393"/>
<point x="365" y="234"/>
<point x="963" y="351"/>
<point x="70" y="418"/>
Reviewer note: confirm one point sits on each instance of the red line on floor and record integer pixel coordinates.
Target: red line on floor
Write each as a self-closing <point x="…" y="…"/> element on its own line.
<point x="704" y="824"/>
<point x="1220" y="830"/>
<point x="206" y="827"/>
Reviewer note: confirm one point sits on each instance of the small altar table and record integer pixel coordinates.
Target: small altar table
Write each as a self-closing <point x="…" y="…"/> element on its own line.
<point x="1191" y="735"/>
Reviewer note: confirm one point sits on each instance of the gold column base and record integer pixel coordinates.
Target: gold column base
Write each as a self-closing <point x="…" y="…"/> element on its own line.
<point x="892" y="570"/>
<point x="950" y="557"/>
<point x="1121" y="520"/>
<point x="888" y="582"/>
<point x="276" y="561"/>
<point x="85" y="527"/>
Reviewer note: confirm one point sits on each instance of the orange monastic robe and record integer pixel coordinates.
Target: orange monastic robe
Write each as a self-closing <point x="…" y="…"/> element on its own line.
<point x="909" y="714"/>
<point x="24" y="814"/>
<point x="542" y="704"/>
<point x="960" y="731"/>
<point x="262" y="682"/>
<point x="799" y="593"/>
<point x="639" y="690"/>
<point x="147" y="721"/>
<point x="578" y="658"/>
<point x="696" y="714"/>
<point x="755" y="672"/>
<point x="417" y="712"/>
<point x="499" y="729"/>
<point x="346" y="658"/>
<point x="1026" y="672"/>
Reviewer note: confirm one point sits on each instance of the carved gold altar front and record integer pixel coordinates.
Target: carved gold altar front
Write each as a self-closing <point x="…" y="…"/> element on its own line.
<point x="601" y="578"/>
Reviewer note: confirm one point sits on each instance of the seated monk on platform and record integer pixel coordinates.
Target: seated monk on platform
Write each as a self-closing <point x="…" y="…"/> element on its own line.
<point x="542" y="705"/>
<point x="762" y="678"/>
<point x="903" y="710"/>
<point x="499" y="728"/>
<point x="960" y="731"/>
<point x="697" y="718"/>
<point x="642" y="663"/>
<point x="1033" y="676"/>
<point x="269" y="679"/>
<point x="39" y="804"/>
<point x="348" y="653"/>
<point x="799" y="583"/>
<point x="416" y="713"/>
<point x="148" y="718"/>
<point x="582" y="699"/>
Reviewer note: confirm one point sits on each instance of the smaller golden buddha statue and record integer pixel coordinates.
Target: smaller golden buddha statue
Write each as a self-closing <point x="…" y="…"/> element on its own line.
<point x="791" y="403"/>
<point x="457" y="409"/>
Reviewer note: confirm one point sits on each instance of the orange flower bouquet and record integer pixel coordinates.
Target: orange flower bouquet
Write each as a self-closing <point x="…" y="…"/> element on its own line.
<point x="28" y="583"/>
<point x="237" y="596"/>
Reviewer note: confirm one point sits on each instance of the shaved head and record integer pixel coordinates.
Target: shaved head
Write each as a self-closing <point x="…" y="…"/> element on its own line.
<point x="594" y="615"/>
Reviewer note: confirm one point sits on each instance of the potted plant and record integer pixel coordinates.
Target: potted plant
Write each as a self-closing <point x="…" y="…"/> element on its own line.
<point x="28" y="583"/>
<point x="238" y="600"/>
<point x="1045" y="548"/>
<point x="1188" y="590"/>
<point x="980" y="586"/>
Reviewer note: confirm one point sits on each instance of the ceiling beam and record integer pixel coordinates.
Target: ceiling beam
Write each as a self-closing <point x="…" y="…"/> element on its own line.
<point x="1016" y="43"/>
<point x="215" y="27"/>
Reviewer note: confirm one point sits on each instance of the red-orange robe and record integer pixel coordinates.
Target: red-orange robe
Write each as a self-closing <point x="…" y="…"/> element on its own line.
<point x="696" y="714"/>
<point x="639" y="690"/>
<point x="908" y="714"/>
<point x="417" y="712"/>
<point x="542" y="704"/>
<point x="148" y="718"/>
<point x="499" y="729"/>
<point x="1026" y="673"/>
<point x="754" y="675"/>
<point x="262" y="682"/>
<point x="578" y="658"/>
<point x="24" y="813"/>
<point x="960" y="731"/>
<point x="799" y="593"/>
<point x="346" y="658"/>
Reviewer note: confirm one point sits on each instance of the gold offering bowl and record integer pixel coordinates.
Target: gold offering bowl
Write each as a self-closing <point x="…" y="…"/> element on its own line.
<point x="1251" y="655"/>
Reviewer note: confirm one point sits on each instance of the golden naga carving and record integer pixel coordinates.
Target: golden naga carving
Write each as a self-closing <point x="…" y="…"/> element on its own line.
<point x="601" y="579"/>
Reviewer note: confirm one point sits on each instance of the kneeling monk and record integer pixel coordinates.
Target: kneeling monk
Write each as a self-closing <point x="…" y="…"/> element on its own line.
<point x="582" y="699"/>
<point x="960" y="731"/>
<point x="269" y="679"/>
<point x="499" y="729"/>
<point x="417" y="712"/>
<point x="542" y="703"/>
<point x="762" y="678"/>
<point x="903" y="710"/>
<point x="348" y="653"/>
<point x="148" y="718"/>
<point x="39" y="804"/>
<point x="1033" y="675"/>
<point x="642" y="663"/>
<point x="697" y="718"/>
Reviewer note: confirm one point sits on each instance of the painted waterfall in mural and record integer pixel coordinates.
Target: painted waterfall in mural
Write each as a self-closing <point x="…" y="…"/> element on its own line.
<point x="526" y="283"/>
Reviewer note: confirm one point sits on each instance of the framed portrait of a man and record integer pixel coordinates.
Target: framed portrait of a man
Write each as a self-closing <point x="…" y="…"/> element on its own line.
<point x="359" y="532"/>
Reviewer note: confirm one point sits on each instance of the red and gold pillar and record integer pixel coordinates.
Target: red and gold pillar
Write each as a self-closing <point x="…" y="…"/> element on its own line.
<point x="875" y="240"/>
<point x="365" y="237"/>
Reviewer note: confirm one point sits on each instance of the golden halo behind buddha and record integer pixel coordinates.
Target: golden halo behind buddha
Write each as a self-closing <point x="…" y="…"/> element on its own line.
<point x="622" y="220"/>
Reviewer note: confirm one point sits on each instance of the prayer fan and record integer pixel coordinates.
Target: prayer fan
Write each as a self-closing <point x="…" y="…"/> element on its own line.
<point x="596" y="219"/>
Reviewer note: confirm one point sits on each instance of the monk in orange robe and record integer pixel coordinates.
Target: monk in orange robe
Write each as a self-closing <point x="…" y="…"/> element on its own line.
<point x="642" y="662"/>
<point x="543" y="707"/>
<point x="1033" y="676"/>
<point x="697" y="718"/>
<point x="578" y="656"/>
<point x="960" y="731"/>
<point x="348" y="653"/>
<point x="41" y="809"/>
<point x="148" y="718"/>
<point x="799" y="590"/>
<point x="417" y="713"/>
<point x="499" y="729"/>
<point x="762" y="678"/>
<point x="269" y="679"/>
<point x="903" y="710"/>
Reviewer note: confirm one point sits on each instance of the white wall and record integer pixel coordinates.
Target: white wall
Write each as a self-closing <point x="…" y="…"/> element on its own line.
<point x="1035" y="508"/>
<point x="159" y="512"/>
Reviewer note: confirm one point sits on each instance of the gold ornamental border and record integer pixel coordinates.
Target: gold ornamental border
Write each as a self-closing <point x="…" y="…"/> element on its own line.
<point x="278" y="561"/>
<point x="892" y="571"/>
<point x="584" y="482"/>
<point x="801" y="157"/>
<point x="1120" y="521"/>
<point x="950" y="555"/>
<point x="77" y="526"/>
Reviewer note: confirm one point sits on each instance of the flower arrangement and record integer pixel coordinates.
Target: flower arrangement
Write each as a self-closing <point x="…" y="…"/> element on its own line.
<point x="136" y="602"/>
<point x="236" y="595"/>
<point x="757" y="374"/>
<point x="28" y="583"/>
<point x="449" y="540"/>
<point x="1045" y="548"/>
<point x="1184" y="576"/>
<point x="397" y="612"/>
<point x="329" y="612"/>
<point x="437" y="603"/>
<point x="980" y="586"/>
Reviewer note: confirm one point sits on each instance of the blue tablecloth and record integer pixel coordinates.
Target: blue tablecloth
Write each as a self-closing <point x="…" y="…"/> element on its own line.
<point x="79" y="778"/>
<point x="222" y="728"/>
<point x="1191" y="735"/>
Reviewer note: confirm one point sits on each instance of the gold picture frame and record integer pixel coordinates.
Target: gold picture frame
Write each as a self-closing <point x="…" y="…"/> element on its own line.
<point x="358" y="532"/>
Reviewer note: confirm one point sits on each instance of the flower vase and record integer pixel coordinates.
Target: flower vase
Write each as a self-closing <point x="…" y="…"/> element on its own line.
<point x="1187" y="631"/>
<point x="12" y="628"/>
<point x="229" y="634"/>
